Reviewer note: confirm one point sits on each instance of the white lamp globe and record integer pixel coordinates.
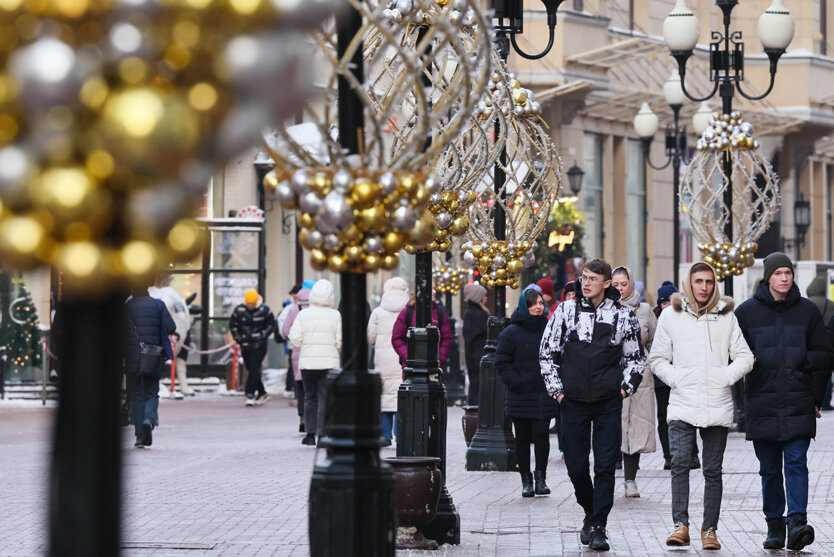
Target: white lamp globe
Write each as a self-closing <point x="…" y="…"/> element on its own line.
<point x="673" y="90"/>
<point x="681" y="28"/>
<point x="701" y="118"/>
<point x="646" y="122"/>
<point x="776" y="27"/>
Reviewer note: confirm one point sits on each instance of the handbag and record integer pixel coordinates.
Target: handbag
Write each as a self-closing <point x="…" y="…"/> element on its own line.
<point x="151" y="356"/>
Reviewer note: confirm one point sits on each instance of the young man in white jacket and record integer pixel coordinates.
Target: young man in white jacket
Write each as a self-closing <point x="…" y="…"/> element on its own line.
<point x="696" y="337"/>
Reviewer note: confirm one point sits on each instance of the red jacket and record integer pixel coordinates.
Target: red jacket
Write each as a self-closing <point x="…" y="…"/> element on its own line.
<point x="400" y="332"/>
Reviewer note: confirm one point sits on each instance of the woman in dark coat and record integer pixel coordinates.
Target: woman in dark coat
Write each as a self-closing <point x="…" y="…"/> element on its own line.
<point x="527" y="402"/>
<point x="474" y="336"/>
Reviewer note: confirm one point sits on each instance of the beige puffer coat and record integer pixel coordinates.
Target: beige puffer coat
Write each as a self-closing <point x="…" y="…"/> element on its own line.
<point x="639" y="409"/>
<point x="317" y="331"/>
<point x="386" y="361"/>
<point x="690" y="354"/>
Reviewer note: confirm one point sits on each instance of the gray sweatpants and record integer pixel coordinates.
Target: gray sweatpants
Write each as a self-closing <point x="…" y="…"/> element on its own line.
<point x="681" y="439"/>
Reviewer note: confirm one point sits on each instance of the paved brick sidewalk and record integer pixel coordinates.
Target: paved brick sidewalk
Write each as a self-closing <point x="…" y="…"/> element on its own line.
<point x="226" y="480"/>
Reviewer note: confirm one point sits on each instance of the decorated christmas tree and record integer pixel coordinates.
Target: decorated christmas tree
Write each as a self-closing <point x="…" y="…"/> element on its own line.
<point x="23" y="348"/>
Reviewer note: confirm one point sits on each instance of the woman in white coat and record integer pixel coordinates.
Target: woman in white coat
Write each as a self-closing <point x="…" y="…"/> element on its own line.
<point x="317" y="334"/>
<point x="386" y="361"/>
<point x="638" y="409"/>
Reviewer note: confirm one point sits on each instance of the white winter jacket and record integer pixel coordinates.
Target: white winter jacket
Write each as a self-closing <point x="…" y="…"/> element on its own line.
<point x="690" y="354"/>
<point x="380" y="326"/>
<point x="317" y="331"/>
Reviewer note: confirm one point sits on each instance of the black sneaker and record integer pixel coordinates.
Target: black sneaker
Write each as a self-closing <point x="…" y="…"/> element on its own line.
<point x="147" y="433"/>
<point x="139" y="444"/>
<point x="599" y="541"/>
<point x="301" y="428"/>
<point x="309" y="439"/>
<point x="585" y="532"/>
<point x="667" y="464"/>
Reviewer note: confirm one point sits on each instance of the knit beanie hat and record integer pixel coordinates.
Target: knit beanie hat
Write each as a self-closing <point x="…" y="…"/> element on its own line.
<point x="775" y="261"/>
<point x="474" y="292"/>
<point x="546" y="284"/>
<point x="664" y="293"/>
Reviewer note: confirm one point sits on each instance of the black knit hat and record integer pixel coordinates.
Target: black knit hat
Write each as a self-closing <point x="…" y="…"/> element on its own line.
<point x="776" y="260"/>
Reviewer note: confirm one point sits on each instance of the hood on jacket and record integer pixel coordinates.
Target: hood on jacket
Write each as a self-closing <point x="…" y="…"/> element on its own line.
<point x="764" y="295"/>
<point x="322" y="294"/>
<point x="529" y="322"/>
<point x="568" y="287"/>
<point x="633" y="298"/>
<point x="686" y="300"/>
<point x="394" y="295"/>
<point x="816" y="288"/>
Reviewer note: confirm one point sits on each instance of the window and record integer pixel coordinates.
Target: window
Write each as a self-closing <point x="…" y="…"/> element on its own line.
<point x="636" y="209"/>
<point x="592" y="187"/>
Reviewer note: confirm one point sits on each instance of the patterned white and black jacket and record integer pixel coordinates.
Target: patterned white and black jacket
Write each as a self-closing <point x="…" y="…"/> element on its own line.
<point x="589" y="354"/>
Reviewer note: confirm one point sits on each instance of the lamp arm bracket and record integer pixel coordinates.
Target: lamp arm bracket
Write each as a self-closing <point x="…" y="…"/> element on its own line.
<point x="541" y="54"/>
<point x="692" y="97"/>
<point x="763" y="95"/>
<point x="661" y="167"/>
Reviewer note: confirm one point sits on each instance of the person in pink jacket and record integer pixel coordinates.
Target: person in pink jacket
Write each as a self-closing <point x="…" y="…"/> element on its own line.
<point x="302" y="301"/>
<point x="438" y="318"/>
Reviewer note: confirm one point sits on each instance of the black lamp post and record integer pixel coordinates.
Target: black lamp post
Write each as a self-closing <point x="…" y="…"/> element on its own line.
<point x="646" y="124"/>
<point x="801" y="221"/>
<point x="681" y="30"/>
<point x="492" y="447"/>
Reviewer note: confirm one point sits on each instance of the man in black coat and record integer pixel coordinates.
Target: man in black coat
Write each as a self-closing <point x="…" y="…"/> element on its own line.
<point x="783" y="394"/>
<point x="148" y="321"/>
<point x="251" y="325"/>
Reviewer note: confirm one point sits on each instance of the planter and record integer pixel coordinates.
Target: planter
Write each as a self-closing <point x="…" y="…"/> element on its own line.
<point x="469" y="421"/>
<point x="417" y="487"/>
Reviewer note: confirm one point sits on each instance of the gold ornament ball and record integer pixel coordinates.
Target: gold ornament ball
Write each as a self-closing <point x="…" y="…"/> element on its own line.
<point x="321" y="184"/>
<point x="365" y="193"/>
<point x="391" y="262"/>
<point x="306" y="220"/>
<point x="186" y="239"/>
<point x="515" y="266"/>
<point x="372" y="262"/>
<point x="408" y="184"/>
<point x="271" y="181"/>
<point x="393" y="241"/>
<point x="459" y="225"/>
<point x="354" y="253"/>
<point x="318" y="259"/>
<point x="351" y="235"/>
<point x="336" y="262"/>
<point x="477" y="251"/>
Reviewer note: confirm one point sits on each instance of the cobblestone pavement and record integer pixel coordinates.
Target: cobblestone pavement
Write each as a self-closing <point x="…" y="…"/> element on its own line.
<point x="226" y="480"/>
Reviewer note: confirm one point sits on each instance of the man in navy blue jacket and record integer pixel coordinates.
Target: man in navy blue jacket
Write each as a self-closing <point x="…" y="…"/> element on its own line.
<point x="148" y="321"/>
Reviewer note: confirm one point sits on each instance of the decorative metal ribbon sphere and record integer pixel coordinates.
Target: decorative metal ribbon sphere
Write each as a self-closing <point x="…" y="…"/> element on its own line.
<point x="755" y="194"/>
<point x="532" y="168"/>
<point x="402" y="117"/>
<point x="112" y="114"/>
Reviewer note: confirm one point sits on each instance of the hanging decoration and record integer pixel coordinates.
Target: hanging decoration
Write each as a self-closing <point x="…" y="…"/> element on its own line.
<point x="112" y="115"/>
<point x="449" y="279"/>
<point x="532" y="172"/>
<point x="425" y="69"/>
<point x="755" y="194"/>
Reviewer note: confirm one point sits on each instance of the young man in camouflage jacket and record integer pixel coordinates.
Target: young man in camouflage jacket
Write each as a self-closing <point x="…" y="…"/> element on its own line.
<point x="591" y="359"/>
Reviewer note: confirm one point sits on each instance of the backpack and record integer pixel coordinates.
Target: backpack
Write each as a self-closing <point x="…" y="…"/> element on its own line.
<point x="279" y="323"/>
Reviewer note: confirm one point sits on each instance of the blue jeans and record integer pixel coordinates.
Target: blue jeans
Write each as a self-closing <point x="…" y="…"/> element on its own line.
<point x="770" y="455"/>
<point x="595" y="497"/>
<point x="389" y="423"/>
<point x="143" y="391"/>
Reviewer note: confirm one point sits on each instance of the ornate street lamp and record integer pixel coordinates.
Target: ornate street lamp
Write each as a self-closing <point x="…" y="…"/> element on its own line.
<point x="510" y="16"/>
<point x="646" y="124"/>
<point x="575" y="177"/>
<point x="681" y="29"/>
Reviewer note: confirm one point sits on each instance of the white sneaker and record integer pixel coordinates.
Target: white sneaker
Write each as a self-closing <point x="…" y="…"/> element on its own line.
<point x="250" y="401"/>
<point x="631" y="489"/>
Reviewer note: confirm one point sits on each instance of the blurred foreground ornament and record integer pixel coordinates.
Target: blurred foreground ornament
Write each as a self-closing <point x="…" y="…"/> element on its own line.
<point x="449" y="279"/>
<point x="113" y="113"/>
<point x="729" y="141"/>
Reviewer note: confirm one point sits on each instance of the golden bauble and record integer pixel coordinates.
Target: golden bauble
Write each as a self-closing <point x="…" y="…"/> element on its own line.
<point x="371" y="219"/>
<point x="410" y="250"/>
<point x="271" y="180"/>
<point x="453" y="206"/>
<point x="514" y="283"/>
<point x="459" y="225"/>
<point x="477" y="251"/>
<point x="354" y="253"/>
<point x="407" y="184"/>
<point x="526" y="245"/>
<point x="82" y="261"/>
<point x="447" y="198"/>
<point x="21" y="237"/>
<point x="318" y="259"/>
<point x="432" y="246"/>
<point x="321" y="184"/>
<point x="306" y="220"/>
<point x="372" y="262"/>
<point x="186" y="239"/>
<point x="393" y="241"/>
<point x="424" y="231"/>
<point x="337" y="263"/>
<point x="514" y="266"/>
<point x="391" y="262"/>
<point x="500" y="272"/>
<point x="365" y="193"/>
<point x="444" y="246"/>
<point x="520" y="97"/>
<point x="351" y="235"/>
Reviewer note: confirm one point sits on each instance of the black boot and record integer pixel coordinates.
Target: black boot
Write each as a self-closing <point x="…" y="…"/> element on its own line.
<point x="526" y="484"/>
<point x="599" y="541"/>
<point x="775" y="534"/>
<point x="585" y="532"/>
<point x="800" y="533"/>
<point x="541" y="487"/>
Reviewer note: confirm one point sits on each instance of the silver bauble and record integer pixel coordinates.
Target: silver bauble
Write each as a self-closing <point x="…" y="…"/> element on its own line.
<point x="498" y="262"/>
<point x="47" y="72"/>
<point x="331" y="241"/>
<point x="463" y="198"/>
<point x="331" y="215"/>
<point x="315" y="238"/>
<point x="405" y="7"/>
<point x="342" y="181"/>
<point x="299" y="182"/>
<point x="284" y="193"/>
<point x="310" y="203"/>
<point x="435" y="199"/>
<point x="373" y="245"/>
<point x="388" y="182"/>
<point x="14" y="170"/>
<point x="443" y="220"/>
<point x="404" y="218"/>
<point x="469" y="259"/>
<point x="433" y="183"/>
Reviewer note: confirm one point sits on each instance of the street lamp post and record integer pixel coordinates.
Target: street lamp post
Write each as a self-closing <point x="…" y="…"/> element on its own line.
<point x="646" y="124"/>
<point x="492" y="447"/>
<point x="801" y="221"/>
<point x="681" y="30"/>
